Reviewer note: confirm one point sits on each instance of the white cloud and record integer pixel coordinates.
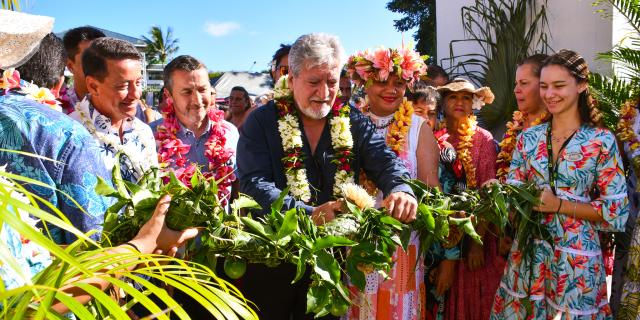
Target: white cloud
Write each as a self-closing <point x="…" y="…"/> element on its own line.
<point x="219" y="29"/>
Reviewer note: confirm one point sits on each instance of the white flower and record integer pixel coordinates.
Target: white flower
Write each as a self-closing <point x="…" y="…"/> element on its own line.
<point x="478" y="102"/>
<point x="358" y="195"/>
<point x="342" y="178"/>
<point x="281" y="89"/>
<point x="341" y="132"/>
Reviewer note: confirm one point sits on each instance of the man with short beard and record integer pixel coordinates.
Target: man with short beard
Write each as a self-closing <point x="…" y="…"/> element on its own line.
<point x="315" y="61"/>
<point x="190" y="108"/>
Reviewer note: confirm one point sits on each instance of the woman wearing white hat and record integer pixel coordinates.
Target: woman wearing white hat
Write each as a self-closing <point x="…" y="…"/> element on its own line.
<point x="477" y="275"/>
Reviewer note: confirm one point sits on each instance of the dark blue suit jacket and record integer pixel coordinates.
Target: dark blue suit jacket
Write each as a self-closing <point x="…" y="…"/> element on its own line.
<point x="261" y="172"/>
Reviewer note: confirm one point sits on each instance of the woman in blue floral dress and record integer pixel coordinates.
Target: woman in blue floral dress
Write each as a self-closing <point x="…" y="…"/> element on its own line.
<point x="584" y="191"/>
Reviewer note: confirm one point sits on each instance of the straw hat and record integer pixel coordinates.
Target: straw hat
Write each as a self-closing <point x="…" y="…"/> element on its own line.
<point x="20" y="36"/>
<point x="460" y="84"/>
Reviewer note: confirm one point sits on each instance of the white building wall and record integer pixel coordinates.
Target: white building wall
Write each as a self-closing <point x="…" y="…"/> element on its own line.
<point x="573" y="24"/>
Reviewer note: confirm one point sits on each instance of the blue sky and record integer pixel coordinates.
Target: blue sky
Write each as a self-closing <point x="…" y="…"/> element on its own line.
<point x="232" y="34"/>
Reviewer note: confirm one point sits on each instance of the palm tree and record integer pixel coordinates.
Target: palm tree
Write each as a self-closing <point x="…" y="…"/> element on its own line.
<point x="507" y="31"/>
<point x="160" y="47"/>
<point x="611" y="92"/>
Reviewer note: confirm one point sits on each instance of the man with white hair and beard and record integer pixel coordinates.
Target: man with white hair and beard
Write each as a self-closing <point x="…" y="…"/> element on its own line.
<point x="303" y="141"/>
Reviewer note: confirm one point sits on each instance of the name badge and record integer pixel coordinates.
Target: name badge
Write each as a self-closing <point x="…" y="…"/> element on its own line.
<point x="573" y="156"/>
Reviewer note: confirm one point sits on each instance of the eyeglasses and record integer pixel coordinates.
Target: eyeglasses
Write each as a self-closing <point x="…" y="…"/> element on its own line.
<point x="284" y="70"/>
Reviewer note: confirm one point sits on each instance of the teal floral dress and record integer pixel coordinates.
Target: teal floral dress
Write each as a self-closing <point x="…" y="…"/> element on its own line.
<point x="566" y="281"/>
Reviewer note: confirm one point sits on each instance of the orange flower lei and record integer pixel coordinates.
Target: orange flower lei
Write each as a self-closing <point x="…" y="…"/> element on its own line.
<point x="397" y="132"/>
<point x="628" y="114"/>
<point x="396" y="139"/>
<point x="508" y="143"/>
<point x="466" y="132"/>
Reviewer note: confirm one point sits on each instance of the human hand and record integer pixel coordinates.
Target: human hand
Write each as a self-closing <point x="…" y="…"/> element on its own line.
<point x="156" y="237"/>
<point x="325" y="212"/>
<point x="401" y="206"/>
<point x="445" y="276"/>
<point x="548" y="202"/>
<point x="475" y="256"/>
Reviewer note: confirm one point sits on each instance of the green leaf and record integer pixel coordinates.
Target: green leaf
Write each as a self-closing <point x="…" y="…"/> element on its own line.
<point x="256" y="227"/>
<point x="405" y="237"/>
<point x="104" y="188"/>
<point x="332" y="241"/>
<point x="327" y="268"/>
<point x="356" y="276"/>
<point x="277" y="205"/>
<point x="466" y="226"/>
<point x="391" y="221"/>
<point x="244" y="202"/>
<point x="289" y="224"/>
<point x="145" y="199"/>
<point x="301" y="265"/>
<point x="317" y="298"/>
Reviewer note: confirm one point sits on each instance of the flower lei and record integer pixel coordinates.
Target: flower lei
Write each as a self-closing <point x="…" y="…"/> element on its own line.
<point x="110" y="139"/>
<point x="397" y="132"/>
<point x="291" y="135"/>
<point x="628" y="114"/>
<point x="11" y="80"/>
<point x="396" y="139"/>
<point x="378" y="64"/>
<point x="173" y="150"/>
<point x="466" y="131"/>
<point x="508" y="143"/>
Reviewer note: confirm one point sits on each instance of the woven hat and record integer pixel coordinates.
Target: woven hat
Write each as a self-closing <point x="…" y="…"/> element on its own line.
<point x="460" y="84"/>
<point x="20" y="36"/>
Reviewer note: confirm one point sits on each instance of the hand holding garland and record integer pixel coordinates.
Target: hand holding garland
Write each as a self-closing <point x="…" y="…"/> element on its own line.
<point x="154" y="237"/>
<point x="401" y="206"/>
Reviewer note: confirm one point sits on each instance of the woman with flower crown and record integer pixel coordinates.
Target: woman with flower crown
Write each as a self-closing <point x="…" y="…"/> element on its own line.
<point x="385" y="74"/>
<point x="576" y="163"/>
<point x="475" y="278"/>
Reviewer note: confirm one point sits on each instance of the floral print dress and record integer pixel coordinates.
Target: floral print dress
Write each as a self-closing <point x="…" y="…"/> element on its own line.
<point x="401" y="296"/>
<point x="566" y="280"/>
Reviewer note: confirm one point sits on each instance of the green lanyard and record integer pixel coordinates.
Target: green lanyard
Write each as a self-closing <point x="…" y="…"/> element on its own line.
<point x="551" y="168"/>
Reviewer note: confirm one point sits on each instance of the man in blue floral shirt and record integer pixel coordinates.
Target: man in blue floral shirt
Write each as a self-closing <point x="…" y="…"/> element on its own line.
<point x="69" y="158"/>
<point x="113" y="74"/>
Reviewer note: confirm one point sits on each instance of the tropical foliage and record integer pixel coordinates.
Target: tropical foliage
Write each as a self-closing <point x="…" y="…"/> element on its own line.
<point x="75" y="264"/>
<point x="611" y="92"/>
<point x="160" y="46"/>
<point x="10" y="5"/>
<point x="420" y="14"/>
<point x="506" y="31"/>
<point x="290" y="236"/>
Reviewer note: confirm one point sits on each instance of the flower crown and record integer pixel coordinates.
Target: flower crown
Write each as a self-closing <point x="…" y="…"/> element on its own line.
<point x="379" y="63"/>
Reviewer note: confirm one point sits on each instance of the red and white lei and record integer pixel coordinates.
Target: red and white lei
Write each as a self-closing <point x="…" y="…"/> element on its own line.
<point x="293" y="161"/>
<point x="172" y="151"/>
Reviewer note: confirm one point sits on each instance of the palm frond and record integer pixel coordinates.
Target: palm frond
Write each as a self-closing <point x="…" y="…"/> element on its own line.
<point x="160" y="46"/>
<point x="10" y="5"/>
<point x="33" y="297"/>
<point x="507" y="31"/>
<point x="610" y="93"/>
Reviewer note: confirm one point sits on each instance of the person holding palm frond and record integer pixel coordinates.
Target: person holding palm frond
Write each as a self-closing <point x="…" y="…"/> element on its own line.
<point x="576" y="163"/>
